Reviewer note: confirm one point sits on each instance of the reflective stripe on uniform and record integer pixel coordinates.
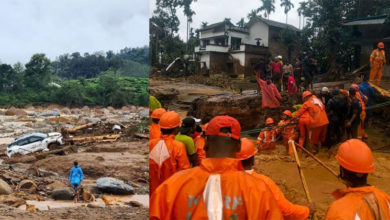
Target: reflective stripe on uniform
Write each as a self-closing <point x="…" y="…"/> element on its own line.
<point x="160" y="153"/>
<point x="357" y="217"/>
<point x="212" y="196"/>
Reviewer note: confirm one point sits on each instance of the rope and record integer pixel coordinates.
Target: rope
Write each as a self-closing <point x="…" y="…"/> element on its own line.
<point x="378" y="105"/>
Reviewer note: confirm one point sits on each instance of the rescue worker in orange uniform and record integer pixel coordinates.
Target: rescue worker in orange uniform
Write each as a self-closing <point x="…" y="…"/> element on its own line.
<point x="359" y="200"/>
<point x="289" y="210"/>
<point x="267" y="137"/>
<point x="199" y="145"/>
<point x="166" y="155"/>
<point x="289" y="130"/>
<point x="154" y="129"/>
<point x="377" y="60"/>
<point x="363" y="100"/>
<point x="318" y="119"/>
<point x="218" y="188"/>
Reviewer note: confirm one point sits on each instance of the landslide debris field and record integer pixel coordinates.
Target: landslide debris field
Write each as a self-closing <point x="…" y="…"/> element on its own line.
<point x="106" y="142"/>
<point x="204" y="102"/>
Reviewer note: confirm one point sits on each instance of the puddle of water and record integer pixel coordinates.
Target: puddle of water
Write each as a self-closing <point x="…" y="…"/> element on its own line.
<point x="52" y="204"/>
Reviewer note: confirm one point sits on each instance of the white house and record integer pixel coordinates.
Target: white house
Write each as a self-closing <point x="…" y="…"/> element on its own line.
<point x="226" y="48"/>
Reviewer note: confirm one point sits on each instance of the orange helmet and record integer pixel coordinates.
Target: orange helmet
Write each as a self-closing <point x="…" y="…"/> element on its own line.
<point x="381" y="45"/>
<point x="248" y="149"/>
<point x="288" y="113"/>
<point x="305" y="94"/>
<point x="157" y="113"/>
<point x="354" y="155"/>
<point x="169" y="120"/>
<point x="269" y="121"/>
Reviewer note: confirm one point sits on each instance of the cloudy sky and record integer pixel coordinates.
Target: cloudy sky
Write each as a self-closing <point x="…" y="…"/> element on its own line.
<point x="55" y="27"/>
<point x="212" y="11"/>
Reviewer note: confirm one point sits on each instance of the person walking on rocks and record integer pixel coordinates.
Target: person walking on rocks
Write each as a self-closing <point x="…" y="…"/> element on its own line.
<point x="75" y="177"/>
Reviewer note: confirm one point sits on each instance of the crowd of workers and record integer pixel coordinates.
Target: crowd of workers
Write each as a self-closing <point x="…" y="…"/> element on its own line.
<point x="206" y="172"/>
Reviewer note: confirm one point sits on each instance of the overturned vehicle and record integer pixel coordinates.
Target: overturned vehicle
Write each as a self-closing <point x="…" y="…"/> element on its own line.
<point x="34" y="142"/>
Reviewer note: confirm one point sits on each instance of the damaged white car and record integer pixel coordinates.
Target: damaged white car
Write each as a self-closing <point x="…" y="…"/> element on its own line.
<point x="34" y="142"/>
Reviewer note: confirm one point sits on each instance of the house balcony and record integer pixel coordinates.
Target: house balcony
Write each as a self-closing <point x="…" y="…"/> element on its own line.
<point x="212" y="48"/>
<point x="232" y="49"/>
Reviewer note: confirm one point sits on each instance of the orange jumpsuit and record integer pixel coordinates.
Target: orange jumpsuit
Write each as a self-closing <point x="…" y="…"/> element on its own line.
<point x="352" y="203"/>
<point x="267" y="139"/>
<point x="217" y="189"/>
<point x="288" y="133"/>
<point x="318" y="119"/>
<point x="199" y="142"/>
<point x="377" y="60"/>
<point x="166" y="160"/>
<point x="154" y="131"/>
<point x="288" y="209"/>
<point x="361" y="132"/>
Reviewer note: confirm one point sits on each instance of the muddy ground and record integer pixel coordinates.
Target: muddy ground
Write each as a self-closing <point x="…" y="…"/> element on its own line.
<point x="275" y="164"/>
<point x="124" y="159"/>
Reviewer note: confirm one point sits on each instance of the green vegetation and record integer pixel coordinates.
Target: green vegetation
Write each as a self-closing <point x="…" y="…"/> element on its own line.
<point x="73" y="80"/>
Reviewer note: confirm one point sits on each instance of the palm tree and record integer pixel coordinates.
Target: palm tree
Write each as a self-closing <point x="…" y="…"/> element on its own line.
<point x="301" y="12"/>
<point x="287" y="6"/>
<point x="204" y="24"/>
<point x="268" y="7"/>
<point x="241" y="22"/>
<point x="252" y="14"/>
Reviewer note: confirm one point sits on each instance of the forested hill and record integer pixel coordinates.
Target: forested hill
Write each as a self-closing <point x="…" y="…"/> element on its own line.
<point x="128" y="62"/>
<point x="98" y="79"/>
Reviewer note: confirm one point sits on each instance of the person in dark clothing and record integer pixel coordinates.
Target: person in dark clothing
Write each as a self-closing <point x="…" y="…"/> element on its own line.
<point x="298" y="72"/>
<point x="336" y="108"/>
<point x="369" y="92"/>
<point x="324" y="95"/>
<point x="353" y="117"/>
<point x="309" y="67"/>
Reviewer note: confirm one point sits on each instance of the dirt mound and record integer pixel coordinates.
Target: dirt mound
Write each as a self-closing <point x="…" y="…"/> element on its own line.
<point x="15" y="111"/>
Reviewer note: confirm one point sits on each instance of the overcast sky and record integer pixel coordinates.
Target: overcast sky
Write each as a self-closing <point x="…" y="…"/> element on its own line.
<point x="212" y="11"/>
<point x="55" y="27"/>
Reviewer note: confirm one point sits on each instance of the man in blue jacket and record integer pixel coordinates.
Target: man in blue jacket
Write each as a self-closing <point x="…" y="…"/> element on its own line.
<point x="368" y="91"/>
<point x="75" y="177"/>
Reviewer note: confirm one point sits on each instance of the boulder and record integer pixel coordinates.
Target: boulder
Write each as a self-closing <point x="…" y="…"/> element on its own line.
<point x="56" y="185"/>
<point x="50" y="113"/>
<point x="144" y="113"/>
<point x="114" y="186"/>
<point x="66" y="111"/>
<point x="62" y="194"/>
<point x="27" y="185"/>
<point x="246" y="108"/>
<point x="15" y="111"/>
<point x="88" y="119"/>
<point x="5" y="189"/>
<point x="11" y="200"/>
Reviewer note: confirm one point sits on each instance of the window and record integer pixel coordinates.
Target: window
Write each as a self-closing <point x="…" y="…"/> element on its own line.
<point x="34" y="139"/>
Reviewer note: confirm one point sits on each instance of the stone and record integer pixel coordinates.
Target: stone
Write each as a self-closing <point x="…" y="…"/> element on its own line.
<point x="50" y="113"/>
<point x="144" y="113"/>
<point x="11" y="200"/>
<point x="88" y="119"/>
<point x="94" y="206"/>
<point x="62" y="194"/>
<point x="27" y="185"/>
<point x="114" y="186"/>
<point x="5" y="189"/>
<point x="56" y="185"/>
<point x="134" y="204"/>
